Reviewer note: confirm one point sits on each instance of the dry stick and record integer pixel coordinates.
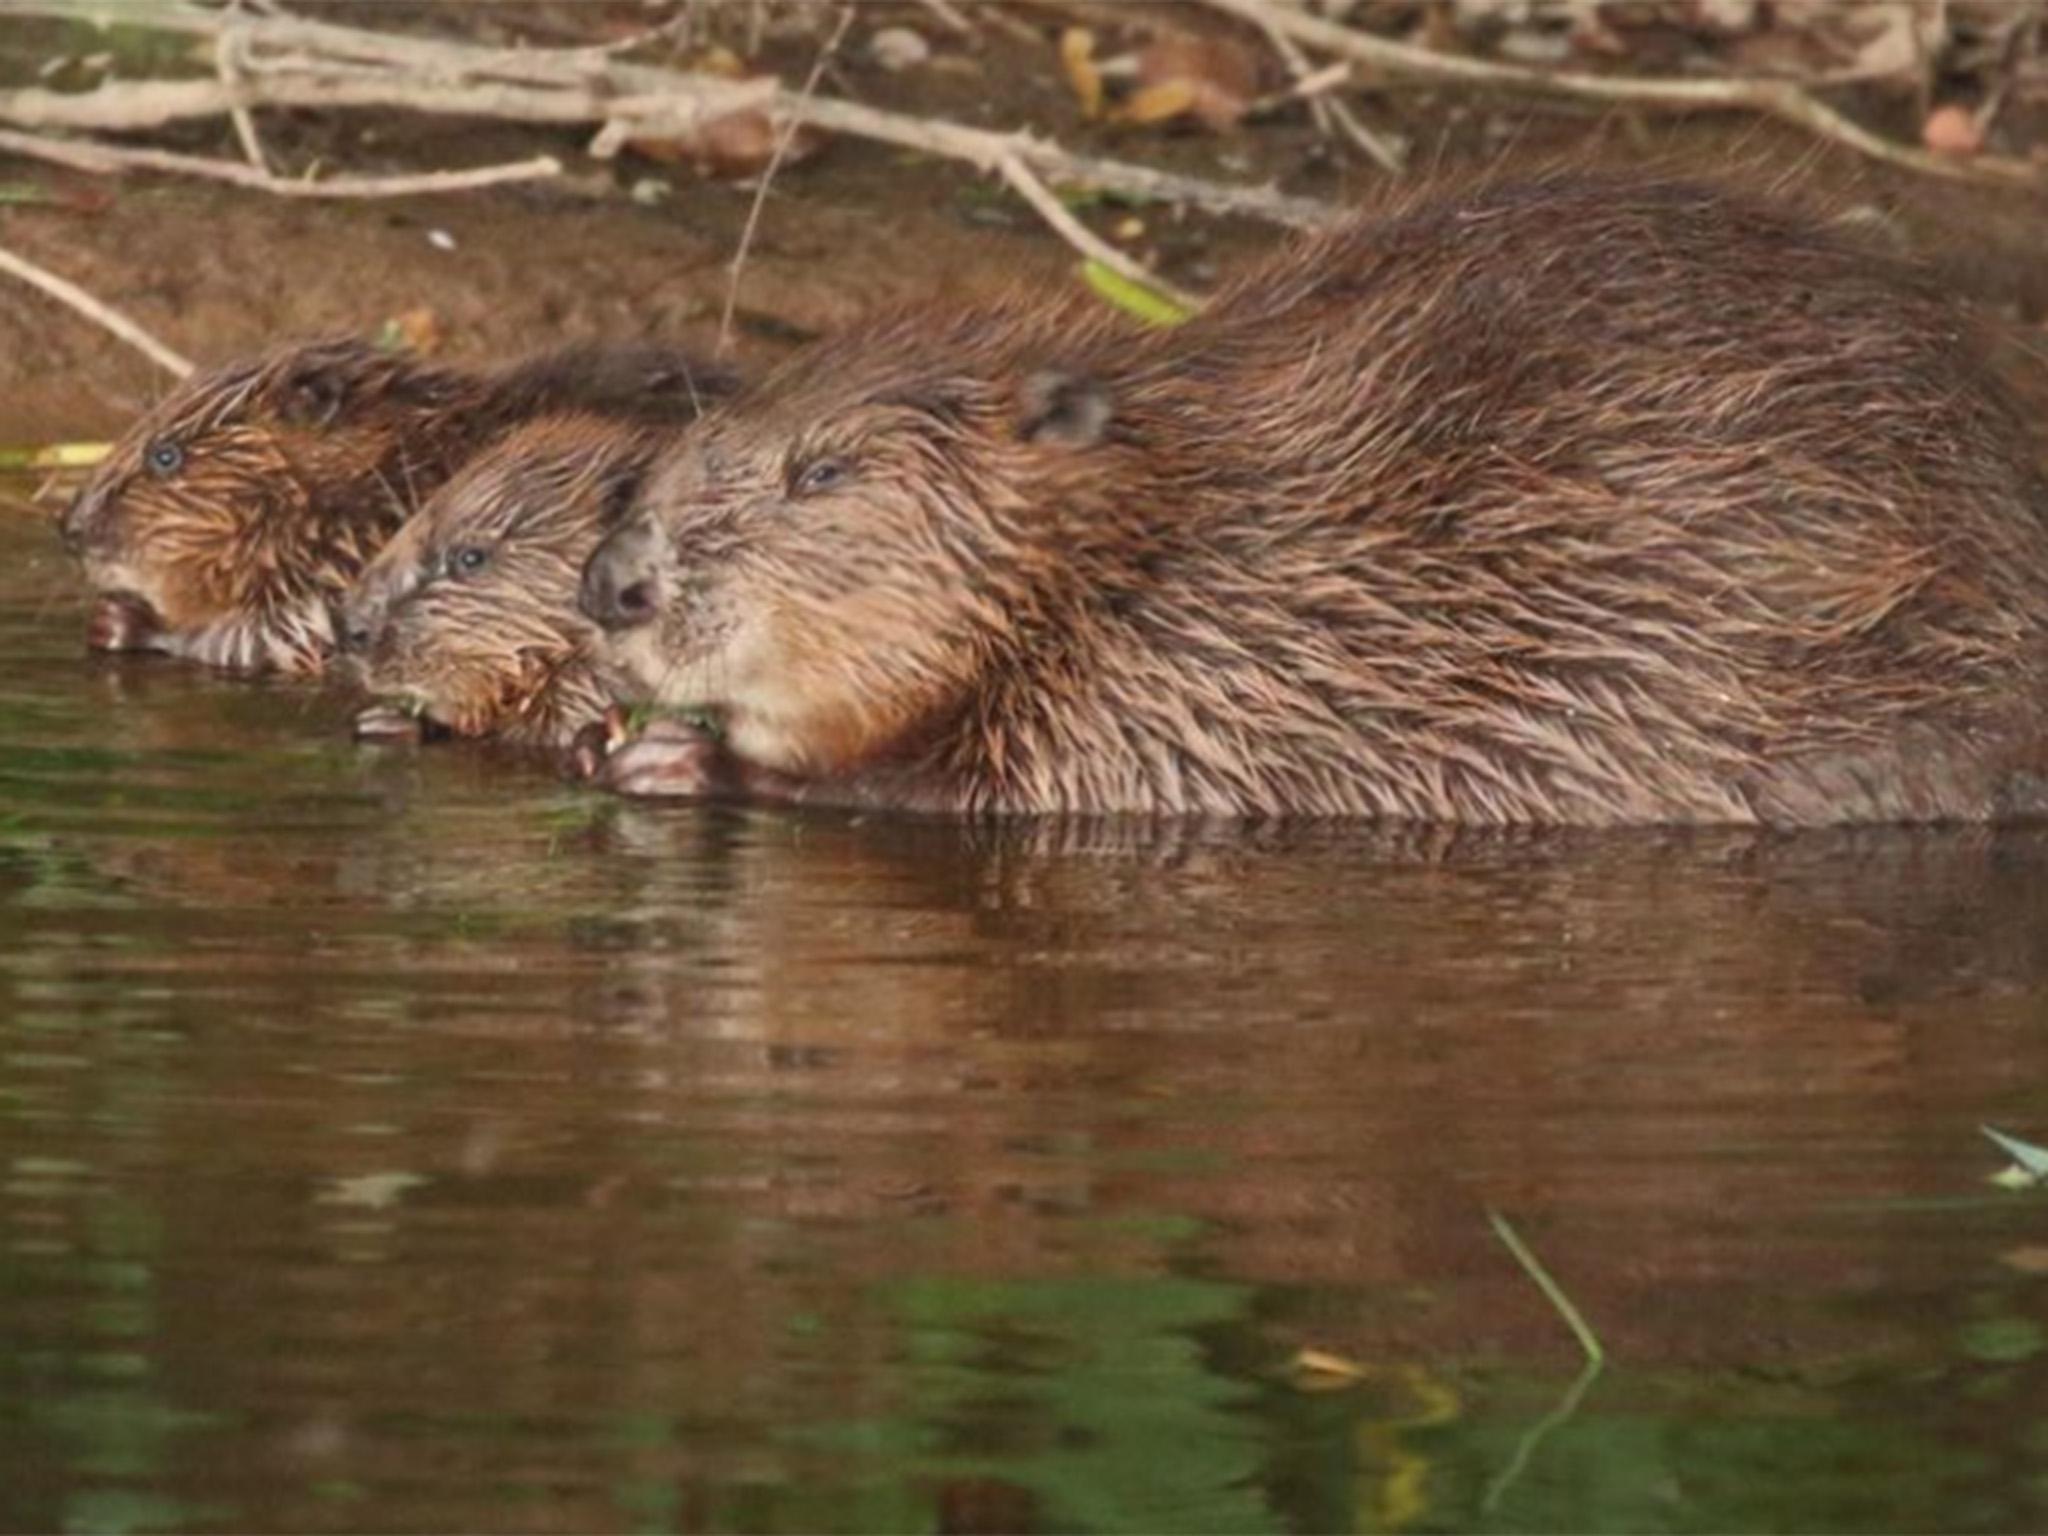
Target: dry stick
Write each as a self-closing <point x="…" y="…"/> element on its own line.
<point x="1081" y="237"/>
<point x="1774" y="98"/>
<point x="227" y="64"/>
<point x="66" y="292"/>
<point x="109" y="159"/>
<point x="1326" y="110"/>
<point x="567" y="86"/>
<point x="782" y="143"/>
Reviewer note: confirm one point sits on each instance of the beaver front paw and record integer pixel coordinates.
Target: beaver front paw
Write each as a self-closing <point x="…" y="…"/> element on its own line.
<point x="387" y="722"/>
<point x="121" y="621"/>
<point x="665" y="759"/>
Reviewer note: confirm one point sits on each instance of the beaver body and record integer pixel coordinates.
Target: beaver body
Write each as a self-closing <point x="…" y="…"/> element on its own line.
<point x="467" y="619"/>
<point x="225" y="523"/>
<point x="1577" y="500"/>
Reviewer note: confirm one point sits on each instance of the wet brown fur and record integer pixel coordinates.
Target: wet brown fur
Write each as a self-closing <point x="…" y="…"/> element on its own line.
<point x="500" y="650"/>
<point x="1580" y="499"/>
<point x="297" y="466"/>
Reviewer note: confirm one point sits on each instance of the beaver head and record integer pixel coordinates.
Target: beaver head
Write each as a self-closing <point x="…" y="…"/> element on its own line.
<point x="468" y="616"/>
<point x="226" y="521"/>
<point x="829" y="563"/>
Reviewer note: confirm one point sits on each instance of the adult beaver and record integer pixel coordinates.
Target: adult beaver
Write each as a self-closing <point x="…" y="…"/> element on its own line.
<point x="467" y="620"/>
<point x="227" y="522"/>
<point x="1580" y="499"/>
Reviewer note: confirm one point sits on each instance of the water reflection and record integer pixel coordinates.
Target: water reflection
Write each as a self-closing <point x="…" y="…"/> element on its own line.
<point x="409" y="1141"/>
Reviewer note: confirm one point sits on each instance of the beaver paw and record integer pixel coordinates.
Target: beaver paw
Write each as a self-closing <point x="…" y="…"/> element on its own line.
<point x="668" y="759"/>
<point x="121" y="621"/>
<point x="387" y="722"/>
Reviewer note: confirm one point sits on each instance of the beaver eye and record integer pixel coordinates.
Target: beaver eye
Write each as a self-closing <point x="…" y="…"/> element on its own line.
<point x="467" y="560"/>
<point x="820" y="475"/>
<point x="165" y="458"/>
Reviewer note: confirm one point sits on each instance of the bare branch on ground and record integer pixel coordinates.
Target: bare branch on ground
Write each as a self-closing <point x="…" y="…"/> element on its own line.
<point x="1782" y="99"/>
<point x="69" y="293"/>
<point x="111" y="159"/>
<point x="294" y="63"/>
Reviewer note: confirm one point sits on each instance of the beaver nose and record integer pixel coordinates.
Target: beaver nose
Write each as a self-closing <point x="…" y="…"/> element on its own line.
<point x="622" y="581"/>
<point x="75" y="526"/>
<point x="356" y="622"/>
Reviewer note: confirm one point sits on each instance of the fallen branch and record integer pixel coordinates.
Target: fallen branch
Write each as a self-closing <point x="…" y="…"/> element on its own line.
<point x="66" y="292"/>
<point x="1781" y="99"/>
<point x="111" y="159"/>
<point x="287" y="62"/>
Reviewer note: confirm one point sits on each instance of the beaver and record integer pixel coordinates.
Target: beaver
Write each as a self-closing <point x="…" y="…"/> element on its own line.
<point x="1585" y="499"/>
<point x="226" y="523"/>
<point x="468" y="615"/>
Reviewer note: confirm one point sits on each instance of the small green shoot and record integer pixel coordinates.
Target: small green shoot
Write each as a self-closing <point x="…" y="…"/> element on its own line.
<point x="2029" y="1165"/>
<point x="1568" y="1405"/>
<point x="1552" y="1291"/>
<point x="1134" y="299"/>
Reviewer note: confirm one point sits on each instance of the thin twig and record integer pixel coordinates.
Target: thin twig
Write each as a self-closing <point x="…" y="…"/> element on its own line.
<point x="1081" y="237"/>
<point x="67" y="292"/>
<point x="1782" y="99"/>
<point x="227" y="64"/>
<point x="111" y="159"/>
<point x="1326" y="109"/>
<point x="782" y="143"/>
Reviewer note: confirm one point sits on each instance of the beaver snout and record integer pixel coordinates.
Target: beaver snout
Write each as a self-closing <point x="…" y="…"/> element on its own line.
<point x="357" y="620"/>
<point x="76" y="526"/>
<point x="622" y="581"/>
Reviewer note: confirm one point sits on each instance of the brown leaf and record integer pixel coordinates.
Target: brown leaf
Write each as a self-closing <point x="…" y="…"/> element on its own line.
<point x="1952" y="130"/>
<point x="2031" y="1259"/>
<point x="735" y="145"/>
<point x="1318" y="1370"/>
<point x="419" y="330"/>
<point x="1214" y="78"/>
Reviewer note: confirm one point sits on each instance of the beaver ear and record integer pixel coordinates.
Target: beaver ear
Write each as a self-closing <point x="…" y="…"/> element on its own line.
<point x="1067" y="409"/>
<point x="314" y="396"/>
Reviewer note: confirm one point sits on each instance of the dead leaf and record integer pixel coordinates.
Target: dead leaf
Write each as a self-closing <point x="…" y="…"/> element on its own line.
<point x="1214" y="80"/>
<point x="1077" y="57"/>
<point x="2029" y="1260"/>
<point x="735" y="145"/>
<point x="419" y="330"/>
<point x="1952" y="130"/>
<point x="898" y="48"/>
<point x="1318" y="1370"/>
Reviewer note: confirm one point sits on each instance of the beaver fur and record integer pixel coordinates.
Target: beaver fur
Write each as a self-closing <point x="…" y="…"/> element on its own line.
<point x="467" y="619"/>
<point x="228" y="520"/>
<point x="1577" y="499"/>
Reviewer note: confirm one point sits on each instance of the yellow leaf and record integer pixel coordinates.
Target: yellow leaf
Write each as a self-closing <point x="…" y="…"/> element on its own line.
<point x="1157" y="103"/>
<point x="1077" y="55"/>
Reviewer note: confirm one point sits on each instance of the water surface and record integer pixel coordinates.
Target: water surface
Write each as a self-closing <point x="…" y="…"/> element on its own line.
<point x="406" y="1140"/>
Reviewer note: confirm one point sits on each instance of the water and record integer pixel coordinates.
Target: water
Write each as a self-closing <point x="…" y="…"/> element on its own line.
<point x="409" y="1141"/>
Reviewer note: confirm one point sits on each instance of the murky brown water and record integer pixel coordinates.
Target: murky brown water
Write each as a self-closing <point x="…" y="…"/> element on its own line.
<point x="411" y="1142"/>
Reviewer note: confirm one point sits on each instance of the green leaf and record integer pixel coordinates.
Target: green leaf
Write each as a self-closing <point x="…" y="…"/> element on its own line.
<point x="1135" y="299"/>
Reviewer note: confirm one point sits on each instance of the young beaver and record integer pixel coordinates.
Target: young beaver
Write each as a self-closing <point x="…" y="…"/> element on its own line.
<point x="229" y="519"/>
<point x="1578" y="500"/>
<point x="468" y="616"/>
